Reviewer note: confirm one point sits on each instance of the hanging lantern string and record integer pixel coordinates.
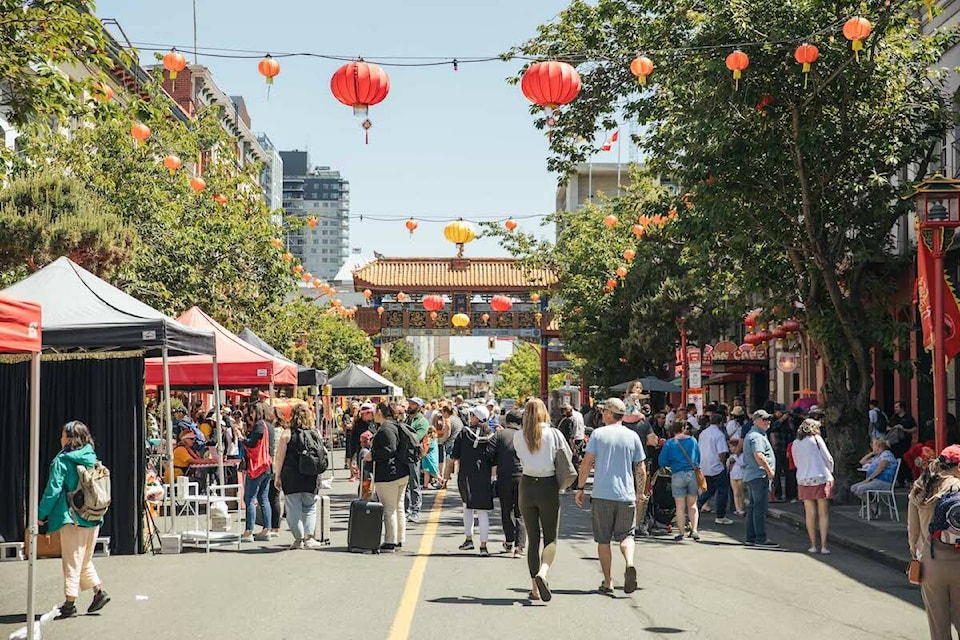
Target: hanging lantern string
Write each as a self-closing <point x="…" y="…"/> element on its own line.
<point x="457" y="61"/>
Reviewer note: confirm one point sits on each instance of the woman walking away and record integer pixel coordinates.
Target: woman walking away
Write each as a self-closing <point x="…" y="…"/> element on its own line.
<point x="475" y="482"/>
<point x="933" y="528"/>
<point x="77" y="536"/>
<point x="682" y="454"/>
<point x="296" y="473"/>
<point x="509" y="470"/>
<point x="815" y="481"/>
<point x="390" y="476"/>
<point x="256" y="485"/>
<point x="536" y="445"/>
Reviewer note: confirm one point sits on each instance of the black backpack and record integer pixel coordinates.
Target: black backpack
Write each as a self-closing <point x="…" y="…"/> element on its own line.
<point x="312" y="455"/>
<point x="408" y="447"/>
<point x="882" y="421"/>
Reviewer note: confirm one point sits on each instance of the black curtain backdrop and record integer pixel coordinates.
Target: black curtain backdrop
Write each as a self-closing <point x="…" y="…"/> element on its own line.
<point x="106" y="395"/>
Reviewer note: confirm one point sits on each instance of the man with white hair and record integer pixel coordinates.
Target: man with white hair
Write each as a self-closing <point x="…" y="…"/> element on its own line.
<point x="494" y="421"/>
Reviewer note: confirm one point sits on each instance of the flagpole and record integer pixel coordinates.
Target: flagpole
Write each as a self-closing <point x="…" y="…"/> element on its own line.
<point x="590" y="179"/>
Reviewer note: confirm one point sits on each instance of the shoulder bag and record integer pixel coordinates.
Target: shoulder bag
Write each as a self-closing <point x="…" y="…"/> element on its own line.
<point x="563" y="463"/>
<point x="701" y="479"/>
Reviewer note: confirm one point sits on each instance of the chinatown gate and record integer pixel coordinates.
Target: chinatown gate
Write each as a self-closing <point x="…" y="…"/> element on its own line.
<point x="403" y="291"/>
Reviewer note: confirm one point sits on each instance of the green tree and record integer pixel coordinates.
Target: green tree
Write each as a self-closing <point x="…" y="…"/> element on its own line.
<point x="38" y="39"/>
<point x="47" y="216"/>
<point x="519" y="376"/>
<point x="797" y="186"/>
<point x="314" y="336"/>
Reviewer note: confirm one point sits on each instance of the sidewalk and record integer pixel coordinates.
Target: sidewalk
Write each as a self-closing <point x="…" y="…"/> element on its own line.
<point x="881" y="540"/>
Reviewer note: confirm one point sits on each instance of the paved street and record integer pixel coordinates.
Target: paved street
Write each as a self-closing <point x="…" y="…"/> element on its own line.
<point x="433" y="590"/>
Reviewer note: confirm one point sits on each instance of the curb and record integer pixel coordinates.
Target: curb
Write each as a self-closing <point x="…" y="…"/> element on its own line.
<point x="880" y="556"/>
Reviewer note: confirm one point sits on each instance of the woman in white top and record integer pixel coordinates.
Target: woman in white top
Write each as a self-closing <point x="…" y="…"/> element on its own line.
<point x="815" y="480"/>
<point x="536" y="443"/>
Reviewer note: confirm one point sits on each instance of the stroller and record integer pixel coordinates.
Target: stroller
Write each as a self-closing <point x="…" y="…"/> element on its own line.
<point x="661" y="508"/>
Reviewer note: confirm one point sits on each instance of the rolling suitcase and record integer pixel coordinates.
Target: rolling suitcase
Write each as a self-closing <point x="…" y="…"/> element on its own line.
<point x="321" y="532"/>
<point x="365" y="526"/>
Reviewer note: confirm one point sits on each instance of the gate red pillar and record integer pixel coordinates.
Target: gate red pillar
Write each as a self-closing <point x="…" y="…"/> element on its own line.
<point x="544" y="371"/>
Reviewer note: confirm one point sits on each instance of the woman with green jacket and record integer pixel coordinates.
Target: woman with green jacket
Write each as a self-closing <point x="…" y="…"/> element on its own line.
<point x="77" y="536"/>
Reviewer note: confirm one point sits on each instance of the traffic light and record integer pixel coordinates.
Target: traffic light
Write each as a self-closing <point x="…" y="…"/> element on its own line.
<point x="492" y="343"/>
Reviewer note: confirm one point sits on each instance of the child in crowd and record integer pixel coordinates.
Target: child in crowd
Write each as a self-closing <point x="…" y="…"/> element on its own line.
<point x="431" y="459"/>
<point x="366" y="467"/>
<point x="735" y="464"/>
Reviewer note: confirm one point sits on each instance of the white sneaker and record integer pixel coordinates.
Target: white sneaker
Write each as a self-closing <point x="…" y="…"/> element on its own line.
<point x="824" y="551"/>
<point x="812" y="550"/>
<point x="310" y="543"/>
<point x="297" y="544"/>
<point x="723" y="521"/>
<point x="248" y="538"/>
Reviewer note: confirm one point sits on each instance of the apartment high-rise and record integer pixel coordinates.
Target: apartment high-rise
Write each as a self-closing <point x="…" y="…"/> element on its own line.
<point x="271" y="175"/>
<point x="321" y="193"/>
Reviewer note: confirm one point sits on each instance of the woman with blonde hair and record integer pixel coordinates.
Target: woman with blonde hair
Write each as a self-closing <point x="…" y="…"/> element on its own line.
<point x="536" y="444"/>
<point x="815" y="481"/>
<point x="297" y="478"/>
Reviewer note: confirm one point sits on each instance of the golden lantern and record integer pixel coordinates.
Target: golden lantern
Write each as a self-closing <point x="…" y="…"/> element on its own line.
<point x="460" y="233"/>
<point x="460" y="320"/>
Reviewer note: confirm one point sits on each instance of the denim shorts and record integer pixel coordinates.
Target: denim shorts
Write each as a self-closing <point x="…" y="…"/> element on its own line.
<point x="684" y="483"/>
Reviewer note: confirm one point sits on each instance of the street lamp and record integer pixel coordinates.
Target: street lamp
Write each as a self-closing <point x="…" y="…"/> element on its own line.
<point x="937" y="203"/>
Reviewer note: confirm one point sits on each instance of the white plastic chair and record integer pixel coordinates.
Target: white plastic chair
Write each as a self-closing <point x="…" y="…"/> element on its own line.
<point x="187" y="491"/>
<point x="886" y="496"/>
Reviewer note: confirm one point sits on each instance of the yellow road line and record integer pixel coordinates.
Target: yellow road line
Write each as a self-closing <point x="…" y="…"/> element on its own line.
<point x="402" y="621"/>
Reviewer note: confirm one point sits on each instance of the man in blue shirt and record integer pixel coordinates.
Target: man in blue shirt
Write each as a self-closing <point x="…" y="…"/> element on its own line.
<point x="759" y="463"/>
<point x="615" y="453"/>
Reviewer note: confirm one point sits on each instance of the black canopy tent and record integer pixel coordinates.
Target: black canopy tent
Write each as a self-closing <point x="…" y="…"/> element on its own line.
<point x="95" y="337"/>
<point x="650" y="384"/>
<point x="306" y="376"/>
<point x="357" y="380"/>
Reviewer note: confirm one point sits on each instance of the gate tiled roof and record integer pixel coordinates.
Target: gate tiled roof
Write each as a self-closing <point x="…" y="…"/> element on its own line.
<point x="412" y="275"/>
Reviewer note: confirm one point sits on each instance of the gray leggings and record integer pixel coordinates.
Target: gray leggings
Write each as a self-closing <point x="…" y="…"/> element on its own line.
<point x="540" y="508"/>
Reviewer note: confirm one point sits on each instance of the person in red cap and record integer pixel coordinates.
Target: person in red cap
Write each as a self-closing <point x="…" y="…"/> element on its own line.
<point x="935" y="497"/>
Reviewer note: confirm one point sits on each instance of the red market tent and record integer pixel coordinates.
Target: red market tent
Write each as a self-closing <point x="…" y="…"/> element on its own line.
<point x="239" y="365"/>
<point x="20" y="333"/>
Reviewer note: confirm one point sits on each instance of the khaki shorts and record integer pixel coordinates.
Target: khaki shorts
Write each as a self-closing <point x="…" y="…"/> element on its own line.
<point x="612" y="521"/>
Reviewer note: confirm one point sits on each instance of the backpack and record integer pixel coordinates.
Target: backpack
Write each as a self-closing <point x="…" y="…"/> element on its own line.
<point x="312" y="456"/>
<point x="91" y="499"/>
<point x="882" y="421"/>
<point x="408" y="449"/>
<point x="945" y="524"/>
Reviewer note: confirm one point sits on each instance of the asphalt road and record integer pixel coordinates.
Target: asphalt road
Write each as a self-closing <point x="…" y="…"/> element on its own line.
<point x="714" y="589"/>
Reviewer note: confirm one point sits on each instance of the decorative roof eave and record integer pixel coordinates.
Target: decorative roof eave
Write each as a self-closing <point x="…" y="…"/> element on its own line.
<point x="451" y="275"/>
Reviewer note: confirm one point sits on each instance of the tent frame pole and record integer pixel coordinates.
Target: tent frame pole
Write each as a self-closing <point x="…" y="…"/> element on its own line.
<point x="165" y="353"/>
<point x="218" y="419"/>
<point x="34" y="491"/>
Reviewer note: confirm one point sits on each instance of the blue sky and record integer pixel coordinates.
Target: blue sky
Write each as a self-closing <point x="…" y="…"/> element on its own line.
<point x="443" y="143"/>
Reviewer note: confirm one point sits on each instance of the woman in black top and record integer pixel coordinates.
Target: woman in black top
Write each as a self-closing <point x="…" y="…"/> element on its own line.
<point x="390" y="475"/>
<point x="509" y="470"/>
<point x="299" y="489"/>
<point x="475" y="453"/>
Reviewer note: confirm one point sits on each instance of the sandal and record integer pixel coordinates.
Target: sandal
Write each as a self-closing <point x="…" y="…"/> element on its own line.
<point x="533" y="596"/>
<point x="605" y="590"/>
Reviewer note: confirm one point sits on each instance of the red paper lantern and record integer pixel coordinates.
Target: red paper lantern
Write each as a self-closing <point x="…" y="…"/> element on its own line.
<point x="611" y="221"/>
<point x="367" y="294"/>
<point x="501" y="304"/>
<point x="268" y="68"/>
<point x="535" y="297"/>
<point x="806" y="54"/>
<point x="411" y="225"/>
<point x="286" y="257"/>
<point x="750" y="322"/>
<point x="752" y="339"/>
<point x="220" y="199"/>
<point x="198" y="184"/>
<point x="277" y="242"/>
<point x="307" y="277"/>
<point x="550" y="85"/>
<point x="174" y="63"/>
<point x="360" y="85"/>
<point x="763" y="335"/>
<point x="312" y="222"/>
<point x="622" y="271"/>
<point x="433" y="316"/>
<point x="433" y="302"/>
<point x="140" y="131"/>
<point x="298" y="268"/>
<point x="510" y="224"/>
<point x="641" y="67"/>
<point x="779" y="332"/>
<point x="611" y="283"/>
<point x="856" y="30"/>
<point x="791" y="325"/>
<point x="629" y="255"/>
<point x="102" y="92"/>
<point x="172" y="163"/>
<point x="401" y="296"/>
<point x="638" y="231"/>
<point x="380" y="311"/>
<point x="317" y="282"/>
<point x="737" y="62"/>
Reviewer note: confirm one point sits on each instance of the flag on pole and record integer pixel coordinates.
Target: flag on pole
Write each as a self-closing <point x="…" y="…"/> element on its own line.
<point x="613" y="138"/>
<point x="951" y="306"/>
